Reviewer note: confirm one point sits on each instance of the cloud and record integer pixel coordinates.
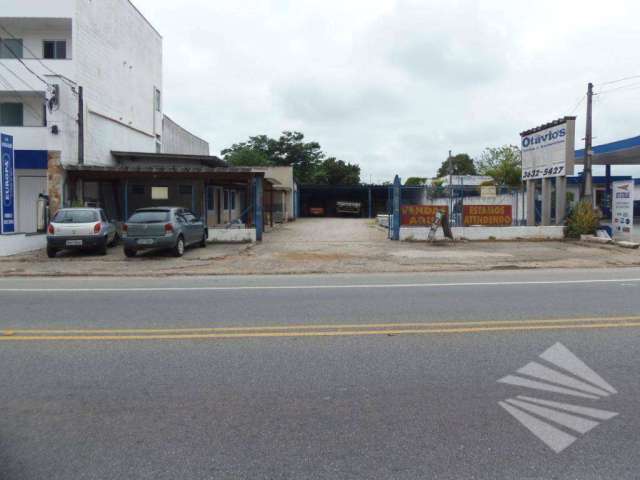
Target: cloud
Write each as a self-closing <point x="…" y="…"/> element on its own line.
<point x="394" y="84"/>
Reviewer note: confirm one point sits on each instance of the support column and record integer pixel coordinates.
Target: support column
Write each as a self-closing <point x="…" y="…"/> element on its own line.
<point x="561" y="199"/>
<point x="546" y="201"/>
<point x="531" y="203"/>
<point x="607" y="195"/>
<point x="257" y="206"/>
<point x="396" y="209"/>
<point x="126" y="200"/>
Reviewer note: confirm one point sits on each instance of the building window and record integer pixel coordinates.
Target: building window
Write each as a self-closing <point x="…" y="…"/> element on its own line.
<point x="157" y="100"/>
<point x="137" y="189"/>
<point x="185" y="189"/>
<point x="11" y="114"/>
<point x="159" y="193"/>
<point x="56" y="49"/>
<point x="10" y="48"/>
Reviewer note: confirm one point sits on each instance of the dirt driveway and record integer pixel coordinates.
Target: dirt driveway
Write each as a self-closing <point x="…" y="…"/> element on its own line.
<point x="329" y="245"/>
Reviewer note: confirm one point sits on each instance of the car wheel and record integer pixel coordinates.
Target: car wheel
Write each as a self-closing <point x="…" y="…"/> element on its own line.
<point x="129" y="252"/>
<point x="178" y="250"/>
<point x="203" y="242"/>
<point x="51" y="252"/>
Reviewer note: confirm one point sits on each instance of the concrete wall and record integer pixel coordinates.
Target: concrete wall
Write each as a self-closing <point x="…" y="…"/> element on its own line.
<point x="284" y="175"/>
<point x="118" y="61"/>
<point x="20" y="243"/>
<point x="232" y="235"/>
<point x="486" y="233"/>
<point x="176" y="139"/>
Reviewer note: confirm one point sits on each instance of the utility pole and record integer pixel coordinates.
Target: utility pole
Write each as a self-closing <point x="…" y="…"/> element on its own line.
<point x="587" y="181"/>
<point x="80" y="127"/>
<point x="450" y="168"/>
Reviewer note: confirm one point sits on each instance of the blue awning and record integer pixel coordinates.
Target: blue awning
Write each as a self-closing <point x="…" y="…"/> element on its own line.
<point x="620" y="152"/>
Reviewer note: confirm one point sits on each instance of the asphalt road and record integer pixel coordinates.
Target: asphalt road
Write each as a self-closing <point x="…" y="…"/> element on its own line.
<point x="345" y="376"/>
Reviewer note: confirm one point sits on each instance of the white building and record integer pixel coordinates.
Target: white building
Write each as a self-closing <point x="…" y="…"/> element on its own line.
<point x="79" y="79"/>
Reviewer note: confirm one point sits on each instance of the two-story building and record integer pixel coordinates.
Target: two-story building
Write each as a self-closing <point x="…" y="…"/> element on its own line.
<point x="81" y="96"/>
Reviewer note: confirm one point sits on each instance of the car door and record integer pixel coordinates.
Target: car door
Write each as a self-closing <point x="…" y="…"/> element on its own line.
<point x="194" y="225"/>
<point x="182" y="225"/>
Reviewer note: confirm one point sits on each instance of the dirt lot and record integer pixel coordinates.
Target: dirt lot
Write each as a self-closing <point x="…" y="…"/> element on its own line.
<point x="328" y="246"/>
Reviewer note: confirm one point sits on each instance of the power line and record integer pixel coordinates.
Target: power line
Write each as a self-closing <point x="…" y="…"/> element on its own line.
<point x="578" y="104"/>
<point x="29" y="87"/>
<point x="623" y="87"/>
<point x="620" y="80"/>
<point x="18" y="96"/>
<point x="25" y="65"/>
<point x="69" y="82"/>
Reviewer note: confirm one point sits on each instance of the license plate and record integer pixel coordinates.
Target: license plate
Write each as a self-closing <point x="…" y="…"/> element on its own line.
<point x="145" y="241"/>
<point x="74" y="243"/>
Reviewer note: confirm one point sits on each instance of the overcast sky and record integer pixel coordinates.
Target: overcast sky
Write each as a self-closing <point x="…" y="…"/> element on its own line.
<point x="394" y="84"/>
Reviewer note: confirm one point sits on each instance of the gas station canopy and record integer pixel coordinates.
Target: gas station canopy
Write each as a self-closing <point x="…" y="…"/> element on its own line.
<point x="620" y="152"/>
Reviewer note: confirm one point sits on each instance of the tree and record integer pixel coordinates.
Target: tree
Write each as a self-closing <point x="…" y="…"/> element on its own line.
<point x="462" y="165"/>
<point x="309" y="162"/>
<point x="503" y="164"/>
<point x="247" y="157"/>
<point x="415" y="181"/>
<point x="337" y="172"/>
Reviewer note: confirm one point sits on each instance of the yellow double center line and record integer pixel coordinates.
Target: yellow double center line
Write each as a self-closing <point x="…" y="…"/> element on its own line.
<point x="326" y="330"/>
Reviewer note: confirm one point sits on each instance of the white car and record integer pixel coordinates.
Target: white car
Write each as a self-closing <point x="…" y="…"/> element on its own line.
<point x="80" y="228"/>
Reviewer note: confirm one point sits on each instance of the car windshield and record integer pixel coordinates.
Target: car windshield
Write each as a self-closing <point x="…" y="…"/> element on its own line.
<point x="76" y="216"/>
<point x="149" y="216"/>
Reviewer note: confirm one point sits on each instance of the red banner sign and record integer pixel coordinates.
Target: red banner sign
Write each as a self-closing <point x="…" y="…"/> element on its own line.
<point x="419" y="215"/>
<point x="487" y="215"/>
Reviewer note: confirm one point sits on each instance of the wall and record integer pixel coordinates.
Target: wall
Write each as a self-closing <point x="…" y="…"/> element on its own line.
<point x="19" y="243"/>
<point x="232" y="235"/>
<point x="486" y="233"/>
<point x="118" y="60"/>
<point x="176" y="139"/>
<point x="39" y="8"/>
<point x="136" y="201"/>
<point x="27" y="138"/>
<point x="284" y="175"/>
<point x="32" y="110"/>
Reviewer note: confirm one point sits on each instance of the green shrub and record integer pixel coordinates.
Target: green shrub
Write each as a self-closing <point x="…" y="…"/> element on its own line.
<point x="583" y="220"/>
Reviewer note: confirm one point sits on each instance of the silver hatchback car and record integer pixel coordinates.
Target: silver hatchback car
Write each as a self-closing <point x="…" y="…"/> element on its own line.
<point x="80" y="228"/>
<point x="170" y="228"/>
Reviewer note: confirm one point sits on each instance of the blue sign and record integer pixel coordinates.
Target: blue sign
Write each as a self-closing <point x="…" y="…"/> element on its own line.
<point x="8" y="185"/>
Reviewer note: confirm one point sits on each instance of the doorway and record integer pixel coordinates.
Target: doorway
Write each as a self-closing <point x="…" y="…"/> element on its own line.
<point x="29" y="188"/>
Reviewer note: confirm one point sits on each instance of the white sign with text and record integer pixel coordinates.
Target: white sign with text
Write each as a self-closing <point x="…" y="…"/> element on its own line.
<point x="548" y="152"/>
<point x="622" y="209"/>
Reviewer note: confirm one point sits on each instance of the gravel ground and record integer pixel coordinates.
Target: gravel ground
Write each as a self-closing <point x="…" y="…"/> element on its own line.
<point x="328" y="245"/>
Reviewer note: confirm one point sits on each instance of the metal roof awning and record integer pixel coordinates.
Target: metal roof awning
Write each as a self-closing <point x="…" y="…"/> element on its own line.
<point x="155" y="169"/>
<point x="209" y="160"/>
<point x="621" y="152"/>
